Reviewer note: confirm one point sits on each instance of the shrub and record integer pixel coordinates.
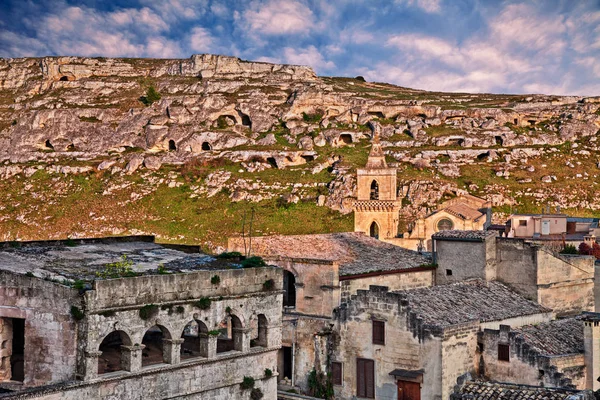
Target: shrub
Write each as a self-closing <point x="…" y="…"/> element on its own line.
<point x="247" y="383"/>
<point x="118" y="269"/>
<point x="312" y="118"/>
<point x="570" y="249"/>
<point x="215" y="280"/>
<point x="253" y="262"/>
<point x="203" y="303"/>
<point x="268" y="372"/>
<point x="230" y="255"/>
<point x="148" y="311"/>
<point x="151" y="96"/>
<point x="162" y="270"/>
<point x="584" y="249"/>
<point x="256" y="394"/>
<point x="79" y="284"/>
<point x="320" y="385"/>
<point x="228" y="310"/>
<point x="360" y="78"/>
<point x="77" y="313"/>
<point x="214" y="332"/>
<point x="269" y="285"/>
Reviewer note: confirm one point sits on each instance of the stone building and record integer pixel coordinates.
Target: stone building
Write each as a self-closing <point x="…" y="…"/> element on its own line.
<point x="562" y="282"/>
<point x="469" y="390"/>
<point x="420" y="340"/>
<point x="376" y="208"/>
<point x="162" y="322"/>
<point x="320" y="273"/>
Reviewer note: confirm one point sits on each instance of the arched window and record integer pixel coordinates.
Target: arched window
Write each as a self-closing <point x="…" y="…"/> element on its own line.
<point x="374" y="190"/>
<point x="445" y="224"/>
<point x="259" y="331"/>
<point x="153" y="340"/>
<point x="289" y="286"/>
<point x="374" y="230"/>
<point x="195" y="340"/>
<point x="231" y="336"/>
<point x="110" y="360"/>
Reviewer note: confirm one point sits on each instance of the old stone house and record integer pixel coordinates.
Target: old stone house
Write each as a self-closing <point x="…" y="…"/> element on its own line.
<point x="564" y="283"/>
<point x="376" y="208"/>
<point x="419" y="341"/>
<point x="165" y="323"/>
<point x="321" y="271"/>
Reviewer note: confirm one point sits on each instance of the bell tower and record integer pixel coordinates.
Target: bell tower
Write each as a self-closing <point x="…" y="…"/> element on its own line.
<point x="376" y="207"/>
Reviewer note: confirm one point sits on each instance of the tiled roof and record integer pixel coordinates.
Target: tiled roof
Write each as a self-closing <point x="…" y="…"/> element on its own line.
<point x="356" y="252"/>
<point x="559" y="337"/>
<point x="473" y="300"/>
<point x="466" y="235"/>
<point x="463" y="211"/>
<point x="493" y="390"/>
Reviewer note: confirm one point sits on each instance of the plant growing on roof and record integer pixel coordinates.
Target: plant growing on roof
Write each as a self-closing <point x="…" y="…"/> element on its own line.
<point x="118" y="269"/>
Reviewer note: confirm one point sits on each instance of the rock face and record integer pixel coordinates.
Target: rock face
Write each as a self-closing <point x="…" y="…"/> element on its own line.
<point x="216" y="114"/>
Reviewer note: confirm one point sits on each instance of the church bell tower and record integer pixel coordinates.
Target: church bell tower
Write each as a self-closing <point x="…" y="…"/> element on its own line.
<point x="376" y="207"/>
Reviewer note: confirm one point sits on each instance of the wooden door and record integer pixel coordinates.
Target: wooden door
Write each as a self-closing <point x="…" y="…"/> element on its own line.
<point x="409" y="390"/>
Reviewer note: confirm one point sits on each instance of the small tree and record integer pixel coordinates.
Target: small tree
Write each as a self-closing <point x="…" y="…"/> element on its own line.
<point x="584" y="249"/>
<point x="151" y="96"/>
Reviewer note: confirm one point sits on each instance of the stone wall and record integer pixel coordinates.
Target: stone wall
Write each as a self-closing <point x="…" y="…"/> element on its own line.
<point x="397" y="281"/>
<point x="51" y="333"/>
<point x="459" y="346"/>
<point x="516" y="266"/>
<point x="216" y="379"/>
<point x="461" y="260"/>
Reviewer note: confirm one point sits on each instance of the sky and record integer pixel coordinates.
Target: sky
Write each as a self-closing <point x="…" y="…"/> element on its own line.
<point x="543" y="46"/>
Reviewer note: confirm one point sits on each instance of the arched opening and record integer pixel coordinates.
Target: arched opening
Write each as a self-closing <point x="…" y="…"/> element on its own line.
<point x="374" y="195"/>
<point x="374" y="230"/>
<point x="206" y="146"/>
<point x="272" y="162"/>
<point x="111" y="360"/>
<point x="308" y="158"/>
<point x="246" y="121"/>
<point x="258" y="327"/>
<point x="154" y="352"/>
<point x="195" y="340"/>
<point x="289" y="287"/>
<point x="48" y="145"/>
<point x="376" y="114"/>
<point x="499" y="140"/>
<point x="231" y="336"/>
<point x="346" y="138"/>
<point x="64" y="78"/>
<point x="515" y="121"/>
<point x="172" y="145"/>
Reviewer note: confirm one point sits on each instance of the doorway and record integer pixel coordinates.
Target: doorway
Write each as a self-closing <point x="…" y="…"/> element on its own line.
<point x="409" y="390"/>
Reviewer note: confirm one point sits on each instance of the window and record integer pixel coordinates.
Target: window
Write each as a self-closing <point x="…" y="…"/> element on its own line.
<point x="522" y="222"/>
<point x="365" y="378"/>
<point x="378" y="332"/>
<point x="336" y="373"/>
<point x="445" y="224"/>
<point x="503" y="352"/>
<point x="448" y="272"/>
<point x="374" y="191"/>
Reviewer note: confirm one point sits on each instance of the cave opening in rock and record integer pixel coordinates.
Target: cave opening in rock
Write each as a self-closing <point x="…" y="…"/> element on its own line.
<point x="272" y="162"/>
<point x="309" y="158"/>
<point x="64" y="78"/>
<point x="206" y="146"/>
<point x="172" y="145"/>
<point x="48" y="145"/>
<point x="346" y="138"/>
<point x="377" y="114"/>
<point x="71" y="147"/>
<point x="499" y="141"/>
<point x="483" y="156"/>
<point x="246" y="121"/>
<point x="456" y="142"/>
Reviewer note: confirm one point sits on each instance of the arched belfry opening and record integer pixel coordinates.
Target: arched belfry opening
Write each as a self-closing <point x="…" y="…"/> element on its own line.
<point x="374" y="230"/>
<point x="374" y="190"/>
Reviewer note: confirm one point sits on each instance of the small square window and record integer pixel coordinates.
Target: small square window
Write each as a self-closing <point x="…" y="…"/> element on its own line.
<point x="336" y="373"/>
<point x="522" y="222"/>
<point x="378" y="332"/>
<point x="503" y="352"/>
<point x="448" y="272"/>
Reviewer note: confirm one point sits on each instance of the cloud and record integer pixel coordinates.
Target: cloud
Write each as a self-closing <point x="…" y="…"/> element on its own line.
<point x="430" y="6"/>
<point x="201" y="40"/>
<point x="308" y="56"/>
<point x="278" y="17"/>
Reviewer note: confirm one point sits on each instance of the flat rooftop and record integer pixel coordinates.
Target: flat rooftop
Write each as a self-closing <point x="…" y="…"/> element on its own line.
<point x="356" y="252"/>
<point x="83" y="258"/>
<point x="462" y="302"/>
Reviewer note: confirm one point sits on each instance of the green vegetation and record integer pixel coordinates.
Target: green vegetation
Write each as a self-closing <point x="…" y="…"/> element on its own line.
<point x="253" y="262"/>
<point x="247" y="383"/>
<point x="118" y="269"/>
<point x="76" y="313"/>
<point x="320" y="385"/>
<point x="203" y="303"/>
<point x="569" y="249"/>
<point x="148" y="311"/>
<point x="268" y="372"/>
<point x="214" y="332"/>
<point x="215" y="280"/>
<point x="312" y="118"/>
<point x="151" y="96"/>
<point x="232" y="255"/>
<point x="269" y="285"/>
<point x="256" y="394"/>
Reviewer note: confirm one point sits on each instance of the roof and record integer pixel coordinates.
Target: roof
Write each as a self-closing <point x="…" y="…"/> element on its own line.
<point x="466" y="301"/>
<point x="463" y="235"/>
<point x="538" y="215"/>
<point x="463" y="211"/>
<point x="494" y="390"/>
<point x="554" y="338"/>
<point x="82" y="258"/>
<point x="356" y="252"/>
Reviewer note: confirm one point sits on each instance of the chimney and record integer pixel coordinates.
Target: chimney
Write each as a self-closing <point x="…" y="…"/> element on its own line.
<point x="591" y="341"/>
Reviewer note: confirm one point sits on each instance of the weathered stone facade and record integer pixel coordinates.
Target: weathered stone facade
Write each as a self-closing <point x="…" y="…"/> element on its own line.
<point x="184" y="335"/>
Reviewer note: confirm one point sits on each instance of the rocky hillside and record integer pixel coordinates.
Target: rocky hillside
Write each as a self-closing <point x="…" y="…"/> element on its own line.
<point x="191" y="149"/>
